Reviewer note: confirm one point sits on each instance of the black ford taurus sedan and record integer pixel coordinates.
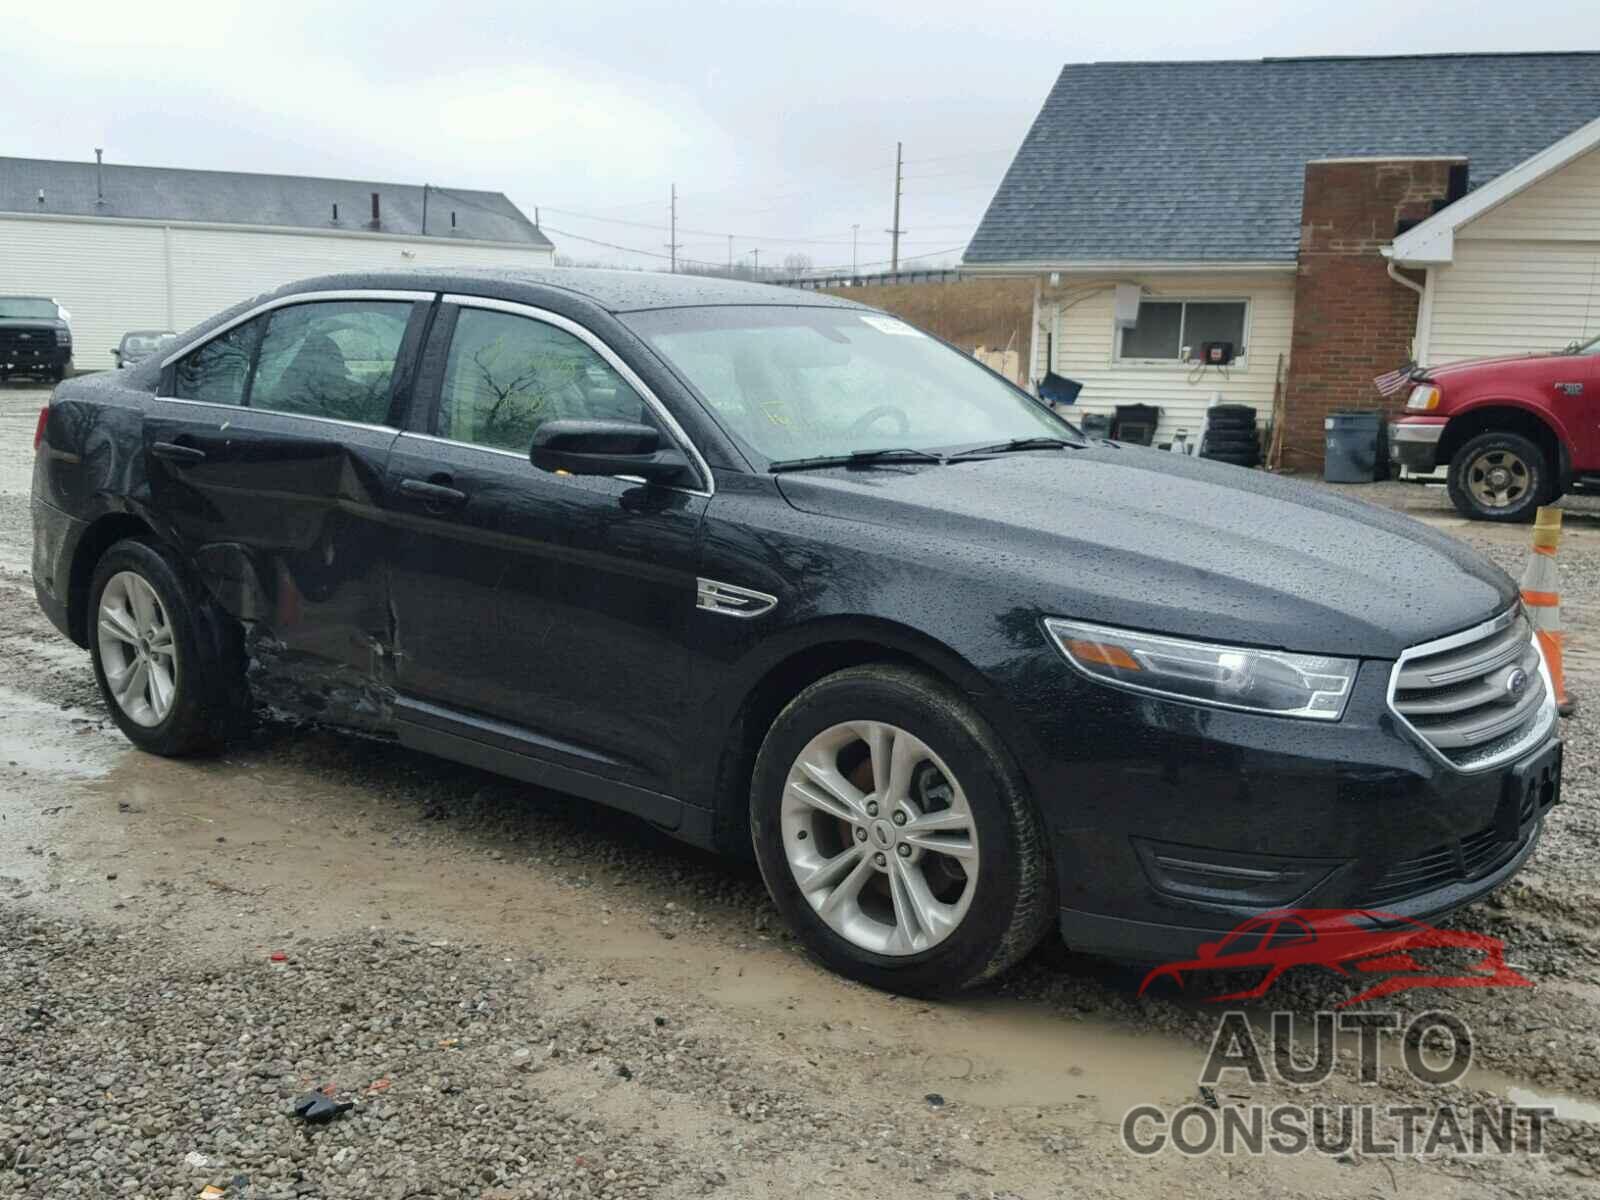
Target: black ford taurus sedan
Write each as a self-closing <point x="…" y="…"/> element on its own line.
<point x="779" y="573"/>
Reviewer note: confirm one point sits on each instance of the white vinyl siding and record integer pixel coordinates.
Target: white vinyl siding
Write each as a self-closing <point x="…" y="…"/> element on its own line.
<point x="1086" y="339"/>
<point x="1526" y="275"/>
<point x="113" y="276"/>
<point x="1564" y="206"/>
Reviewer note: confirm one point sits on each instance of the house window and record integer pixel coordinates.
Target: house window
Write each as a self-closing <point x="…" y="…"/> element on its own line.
<point x="1175" y="330"/>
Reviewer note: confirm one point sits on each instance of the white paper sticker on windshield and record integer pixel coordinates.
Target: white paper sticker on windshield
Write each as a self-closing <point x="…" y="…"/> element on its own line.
<point x="890" y="325"/>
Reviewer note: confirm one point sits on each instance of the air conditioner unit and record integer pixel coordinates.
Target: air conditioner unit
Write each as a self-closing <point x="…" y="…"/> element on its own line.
<point x="1127" y="305"/>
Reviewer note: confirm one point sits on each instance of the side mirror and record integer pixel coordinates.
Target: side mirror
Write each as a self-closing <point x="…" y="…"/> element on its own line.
<point x="117" y="356"/>
<point x="606" y="448"/>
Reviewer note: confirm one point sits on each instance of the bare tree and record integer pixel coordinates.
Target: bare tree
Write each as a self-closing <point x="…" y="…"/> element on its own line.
<point x="795" y="266"/>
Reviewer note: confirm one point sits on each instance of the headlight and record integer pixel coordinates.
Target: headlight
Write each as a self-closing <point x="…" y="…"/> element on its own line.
<point x="1423" y="397"/>
<point x="63" y="337"/>
<point x="1264" y="681"/>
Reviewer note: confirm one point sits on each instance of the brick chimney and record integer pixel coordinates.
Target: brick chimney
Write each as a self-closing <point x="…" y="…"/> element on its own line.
<point x="1351" y="321"/>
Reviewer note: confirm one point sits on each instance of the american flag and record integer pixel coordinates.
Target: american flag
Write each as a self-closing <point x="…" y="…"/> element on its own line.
<point x="1394" y="381"/>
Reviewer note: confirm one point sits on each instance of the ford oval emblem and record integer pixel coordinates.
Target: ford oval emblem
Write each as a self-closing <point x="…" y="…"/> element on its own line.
<point x="1516" y="683"/>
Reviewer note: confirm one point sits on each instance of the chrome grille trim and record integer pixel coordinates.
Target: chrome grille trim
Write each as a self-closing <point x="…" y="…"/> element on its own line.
<point x="1451" y="693"/>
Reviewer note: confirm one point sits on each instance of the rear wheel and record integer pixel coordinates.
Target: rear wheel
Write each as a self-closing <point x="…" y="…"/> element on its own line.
<point x="170" y="668"/>
<point x="895" y="833"/>
<point x="1500" y="477"/>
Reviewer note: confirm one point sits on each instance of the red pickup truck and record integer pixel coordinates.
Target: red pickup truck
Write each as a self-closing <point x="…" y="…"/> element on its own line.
<point x="1515" y="433"/>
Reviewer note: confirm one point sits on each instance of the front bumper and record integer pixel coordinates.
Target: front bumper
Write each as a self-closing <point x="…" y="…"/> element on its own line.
<point x="1414" y="444"/>
<point x="1170" y="823"/>
<point x="46" y="358"/>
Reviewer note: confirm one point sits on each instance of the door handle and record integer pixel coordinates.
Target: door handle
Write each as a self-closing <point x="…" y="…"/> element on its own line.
<point x="182" y="455"/>
<point x="432" y="493"/>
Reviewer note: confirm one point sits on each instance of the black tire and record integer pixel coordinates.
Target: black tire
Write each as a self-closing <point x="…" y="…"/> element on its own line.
<point x="1531" y="477"/>
<point x="1232" y="412"/>
<point x="1013" y="898"/>
<point x="210" y="699"/>
<point x="1251" y="459"/>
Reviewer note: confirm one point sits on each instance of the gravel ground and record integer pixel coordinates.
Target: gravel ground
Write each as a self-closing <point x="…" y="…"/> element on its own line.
<point x="522" y="996"/>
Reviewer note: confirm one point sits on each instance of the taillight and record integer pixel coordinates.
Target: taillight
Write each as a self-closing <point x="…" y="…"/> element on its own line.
<point x="38" y="431"/>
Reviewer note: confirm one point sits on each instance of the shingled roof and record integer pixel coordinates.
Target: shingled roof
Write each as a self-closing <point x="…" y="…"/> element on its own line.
<point x="1204" y="161"/>
<point x="241" y="198"/>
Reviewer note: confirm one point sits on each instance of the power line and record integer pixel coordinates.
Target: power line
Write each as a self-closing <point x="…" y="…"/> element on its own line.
<point x="756" y="253"/>
<point x="718" y="233"/>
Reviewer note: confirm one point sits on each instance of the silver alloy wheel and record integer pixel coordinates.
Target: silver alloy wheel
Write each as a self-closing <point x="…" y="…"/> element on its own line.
<point x="1498" y="478"/>
<point x="137" y="650"/>
<point x="884" y="849"/>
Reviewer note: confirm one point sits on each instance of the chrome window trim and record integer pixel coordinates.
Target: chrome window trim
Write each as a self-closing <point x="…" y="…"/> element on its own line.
<point x="428" y="437"/>
<point x="1537" y="732"/>
<point x="593" y="341"/>
<point x="286" y="301"/>
<point x="274" y="412"/>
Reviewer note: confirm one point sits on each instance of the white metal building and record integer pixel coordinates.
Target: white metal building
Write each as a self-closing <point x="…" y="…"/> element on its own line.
<point x="125" y="247"/>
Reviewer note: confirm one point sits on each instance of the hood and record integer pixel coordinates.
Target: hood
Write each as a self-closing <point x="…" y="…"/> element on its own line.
<point x="1500" y="364"/>
<point x="33" y="323"/>
<point x="1161" y="542"/>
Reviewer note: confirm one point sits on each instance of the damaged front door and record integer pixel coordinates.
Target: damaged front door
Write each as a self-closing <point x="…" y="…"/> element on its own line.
<point x="266" y="453"/>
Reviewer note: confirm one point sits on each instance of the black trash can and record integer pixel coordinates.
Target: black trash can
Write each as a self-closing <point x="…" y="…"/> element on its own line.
<point x="1355" y="446"/>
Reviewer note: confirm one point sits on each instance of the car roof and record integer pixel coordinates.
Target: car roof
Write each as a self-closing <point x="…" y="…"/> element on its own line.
<point x="614" y="291"/>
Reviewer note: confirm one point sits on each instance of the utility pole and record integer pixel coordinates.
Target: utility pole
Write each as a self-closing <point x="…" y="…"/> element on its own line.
<point x="855" y="258"/>
<point x="894" y="252"/>
<point x="672" y="244"/>
<point x="755" y="256"/>
<point x="424" y="210"/>
<point x="730" y="254"/>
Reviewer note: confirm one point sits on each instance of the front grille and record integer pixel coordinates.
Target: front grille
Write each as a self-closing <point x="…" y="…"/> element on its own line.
<point x="26" y="345"/>
<point x="1479" y="697"/>
<point x="1470" y="857"/>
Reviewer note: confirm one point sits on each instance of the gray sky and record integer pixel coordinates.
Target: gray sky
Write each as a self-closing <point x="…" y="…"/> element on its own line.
<point x="776" y="121"/>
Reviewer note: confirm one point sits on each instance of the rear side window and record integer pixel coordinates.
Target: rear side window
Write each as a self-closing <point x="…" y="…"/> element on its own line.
<point x="507" y="375"/>
<point x="332" y="359"/>
<point x="217" y="371"/>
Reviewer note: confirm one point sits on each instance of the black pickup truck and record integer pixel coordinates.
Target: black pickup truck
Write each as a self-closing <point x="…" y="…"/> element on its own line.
<point x="35" y="338"/>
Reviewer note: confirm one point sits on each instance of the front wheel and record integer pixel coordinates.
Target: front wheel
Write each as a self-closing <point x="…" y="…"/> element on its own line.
<point x="1500" y="477"/>
<point x="895" y="834"/>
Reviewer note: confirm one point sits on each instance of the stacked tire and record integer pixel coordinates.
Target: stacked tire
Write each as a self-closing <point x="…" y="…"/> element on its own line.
<point x="1231" y="435"/>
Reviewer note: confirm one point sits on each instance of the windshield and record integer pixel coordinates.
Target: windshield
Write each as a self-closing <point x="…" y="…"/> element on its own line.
<point x="796" y="383"/>
<point x="139" y="343"/>
<point x="1591" y="346"/>
<point x="27" y="307"/>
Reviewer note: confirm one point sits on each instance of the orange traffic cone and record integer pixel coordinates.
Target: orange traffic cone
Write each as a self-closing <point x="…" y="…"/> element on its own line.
<point x="1541" y="596"/>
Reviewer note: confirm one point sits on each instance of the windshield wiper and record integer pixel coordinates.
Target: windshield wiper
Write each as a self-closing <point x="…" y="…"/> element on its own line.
<point x="1028" y="443"/>
<point x="855" y="458"/>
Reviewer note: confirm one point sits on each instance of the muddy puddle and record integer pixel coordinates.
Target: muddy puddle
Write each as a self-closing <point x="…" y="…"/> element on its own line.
<point x="253" y="835"/>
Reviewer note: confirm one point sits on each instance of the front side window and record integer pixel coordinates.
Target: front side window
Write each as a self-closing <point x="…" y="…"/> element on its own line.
<point x="506" y="375"/>
<point x="331" y="359"/>
<point x="800" y="382"/>
<point x="216" y="372"/>
<point x="1178" y="330"/>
